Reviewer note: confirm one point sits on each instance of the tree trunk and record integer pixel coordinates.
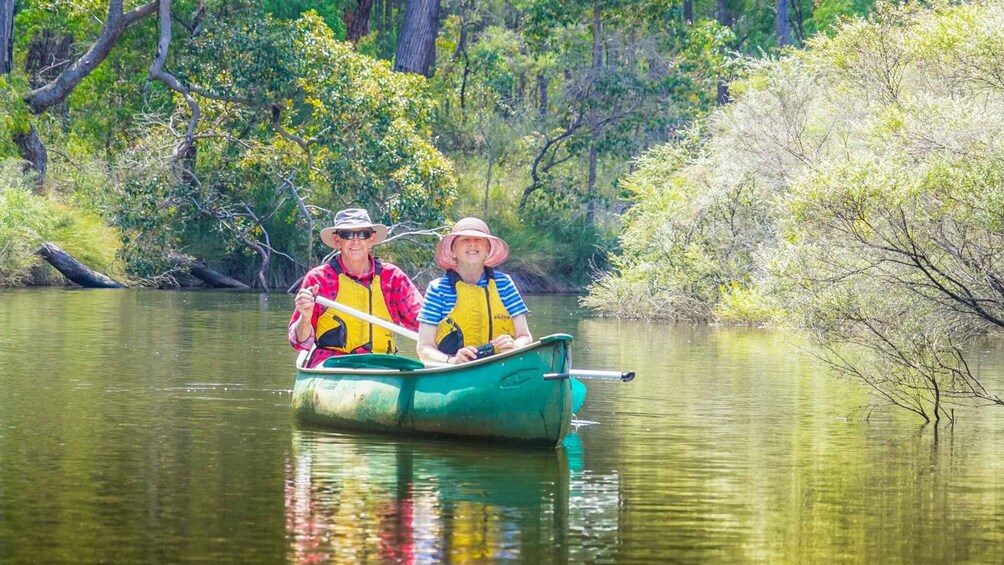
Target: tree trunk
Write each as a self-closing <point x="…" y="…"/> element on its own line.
<point x="357" y="22"/>
<point x="799" y="24"/>
<point x="33" y="151"/>
<point x="723" y="84"/>
<point x="202" y="272"/>
<point x="594" y="117"/>
<point x="783" y="21"/>
<point x="723" y="13"/>
<point x="542" y="94"/>
<point x="488" y="183"/>
<point x="688" y="11"/>
<point x="416" y="46"/>
<point x="462" y="52"/>
<point x="29" y="145"/>
<point x="75" y="270"/>
<point x="6" y="36"/>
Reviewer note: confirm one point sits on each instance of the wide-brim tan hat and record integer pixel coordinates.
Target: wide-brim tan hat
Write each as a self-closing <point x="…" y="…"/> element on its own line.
<point x="353" y="219"/>
<point x="498" y="250"/>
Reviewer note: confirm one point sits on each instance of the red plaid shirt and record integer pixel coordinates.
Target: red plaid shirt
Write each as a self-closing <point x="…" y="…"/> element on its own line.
<point x="402" y="297"/>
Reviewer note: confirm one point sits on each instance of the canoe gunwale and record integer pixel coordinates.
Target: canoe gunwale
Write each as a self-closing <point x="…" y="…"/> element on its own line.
<point x="431" y="367"/>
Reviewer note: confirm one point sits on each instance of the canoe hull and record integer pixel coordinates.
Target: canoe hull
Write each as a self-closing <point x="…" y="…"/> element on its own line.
<point x="502" y="398"/>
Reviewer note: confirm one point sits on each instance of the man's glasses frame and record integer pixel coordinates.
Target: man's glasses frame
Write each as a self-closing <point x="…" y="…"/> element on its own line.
<point x="349" y="234"/>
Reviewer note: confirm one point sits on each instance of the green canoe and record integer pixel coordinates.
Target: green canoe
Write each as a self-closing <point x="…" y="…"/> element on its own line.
<point x="504" y="397"/>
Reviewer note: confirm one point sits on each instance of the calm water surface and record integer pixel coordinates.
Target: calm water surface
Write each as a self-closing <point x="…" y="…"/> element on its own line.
<point x="155" y="427"/>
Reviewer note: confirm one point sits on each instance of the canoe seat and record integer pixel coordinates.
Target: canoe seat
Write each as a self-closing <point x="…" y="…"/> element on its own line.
<point x="373" y="361"/>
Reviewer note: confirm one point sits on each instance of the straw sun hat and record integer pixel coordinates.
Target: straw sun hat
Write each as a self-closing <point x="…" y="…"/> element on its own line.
<point x="353" y="219"/>
<point x="498" y="250"/>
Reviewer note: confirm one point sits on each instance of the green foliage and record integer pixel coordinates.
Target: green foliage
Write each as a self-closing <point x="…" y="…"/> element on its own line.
<point x="511" y="78"/>
<point x="105" y="104"/>
<point x="519" y="89"/>
<point x="827" y="14"/>
<point x="27" y="220"/>
<point x="24" y="219"/>
<point x="743" y="305"/>
<point x="331" y="11"/>
<point x="696" y="226"/>
<point x="853" y="190"/>
<point x="15" y="117"/>
<point x="552" y="257"/>
<point x="151" y="219"/>
<point x="364" y="140"/>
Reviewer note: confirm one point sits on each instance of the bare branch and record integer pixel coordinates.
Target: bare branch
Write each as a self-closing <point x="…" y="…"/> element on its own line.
<point x="58" y="89"/>
<point x="157" y="72"/>
<point x="303" y="143"/>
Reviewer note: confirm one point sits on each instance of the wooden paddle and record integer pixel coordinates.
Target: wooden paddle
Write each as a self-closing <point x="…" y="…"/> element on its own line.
<point x="578" y="373"/>
<point x="367" y="318"/>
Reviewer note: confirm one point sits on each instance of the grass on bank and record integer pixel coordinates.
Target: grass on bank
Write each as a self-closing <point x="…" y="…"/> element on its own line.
<point x="27" y="220"/>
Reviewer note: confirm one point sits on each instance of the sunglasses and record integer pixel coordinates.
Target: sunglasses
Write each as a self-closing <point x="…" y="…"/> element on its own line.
<point x="349" y="234"/>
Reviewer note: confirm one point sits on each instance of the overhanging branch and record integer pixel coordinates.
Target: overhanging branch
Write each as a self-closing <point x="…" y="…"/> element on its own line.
<point x="59" y="88"/>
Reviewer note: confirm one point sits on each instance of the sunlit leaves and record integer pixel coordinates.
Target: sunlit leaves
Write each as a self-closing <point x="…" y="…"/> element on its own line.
<point x="290" y="109"/>
<point x="855" y="189"/>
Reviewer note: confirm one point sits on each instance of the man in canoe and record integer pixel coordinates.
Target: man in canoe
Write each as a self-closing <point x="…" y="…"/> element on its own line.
<point x="472" y="310"/>
<point x="357" y="279"/>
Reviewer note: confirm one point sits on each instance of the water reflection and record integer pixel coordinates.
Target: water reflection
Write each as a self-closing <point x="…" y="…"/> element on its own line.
<point x="359" y="498"/>
<point x="155" y="427"/>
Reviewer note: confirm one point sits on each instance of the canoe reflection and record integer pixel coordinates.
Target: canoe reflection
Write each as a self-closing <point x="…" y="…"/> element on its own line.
<point x="373" y="499"/>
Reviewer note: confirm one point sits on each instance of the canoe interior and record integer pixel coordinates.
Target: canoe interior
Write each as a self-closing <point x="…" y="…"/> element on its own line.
<point x="503" y="398"/>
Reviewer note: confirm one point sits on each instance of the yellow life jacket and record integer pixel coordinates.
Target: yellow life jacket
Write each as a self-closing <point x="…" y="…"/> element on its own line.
<point x="476" y="319"/>
<point x="345" y="333"/>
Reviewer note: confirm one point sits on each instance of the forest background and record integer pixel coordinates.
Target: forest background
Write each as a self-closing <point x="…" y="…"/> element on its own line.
<point x="828" y="165"/>
<point x="229" y="131"/>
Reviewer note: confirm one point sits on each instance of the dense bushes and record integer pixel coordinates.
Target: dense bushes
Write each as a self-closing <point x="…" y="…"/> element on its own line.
<point x="853" y="189"/>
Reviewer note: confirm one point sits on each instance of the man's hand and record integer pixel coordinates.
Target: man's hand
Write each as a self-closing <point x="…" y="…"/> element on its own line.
<point x="305" y="301"/>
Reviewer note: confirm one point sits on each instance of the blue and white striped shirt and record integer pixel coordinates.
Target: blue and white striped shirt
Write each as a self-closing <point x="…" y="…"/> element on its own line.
<point x="441" y="297"/>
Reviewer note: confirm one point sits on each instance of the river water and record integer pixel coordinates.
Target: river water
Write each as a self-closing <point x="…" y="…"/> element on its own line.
<point x="144" y="426"/>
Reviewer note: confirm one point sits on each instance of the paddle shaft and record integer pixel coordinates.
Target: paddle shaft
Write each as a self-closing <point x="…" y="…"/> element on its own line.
<point x="625" y="376"/>
<point x="367" y="318"/>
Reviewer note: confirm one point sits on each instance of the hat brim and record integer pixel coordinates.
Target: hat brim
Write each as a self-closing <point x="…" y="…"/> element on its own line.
<point x="328" y="234"/>
<point x="498" y="250"/>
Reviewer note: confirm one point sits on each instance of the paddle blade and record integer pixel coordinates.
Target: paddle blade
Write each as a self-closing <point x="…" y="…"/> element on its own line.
<point x="578" y="394"/>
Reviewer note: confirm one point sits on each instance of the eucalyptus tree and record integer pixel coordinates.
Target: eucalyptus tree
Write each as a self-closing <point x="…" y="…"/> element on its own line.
<point x="281" y="124"/>
<point x="636" y="75"/>
<point x="559" y="106"/>
<point x="221" y="130"/>
<point x="6" y="35"/>
<point x="50" y="93"/>
<point x="357" y="20"/>
<point x="416" y="44"/>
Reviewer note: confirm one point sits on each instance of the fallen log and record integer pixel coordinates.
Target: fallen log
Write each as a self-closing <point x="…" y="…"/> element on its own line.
<point x="201" y="271"/>
<point x="75" y="270"/>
